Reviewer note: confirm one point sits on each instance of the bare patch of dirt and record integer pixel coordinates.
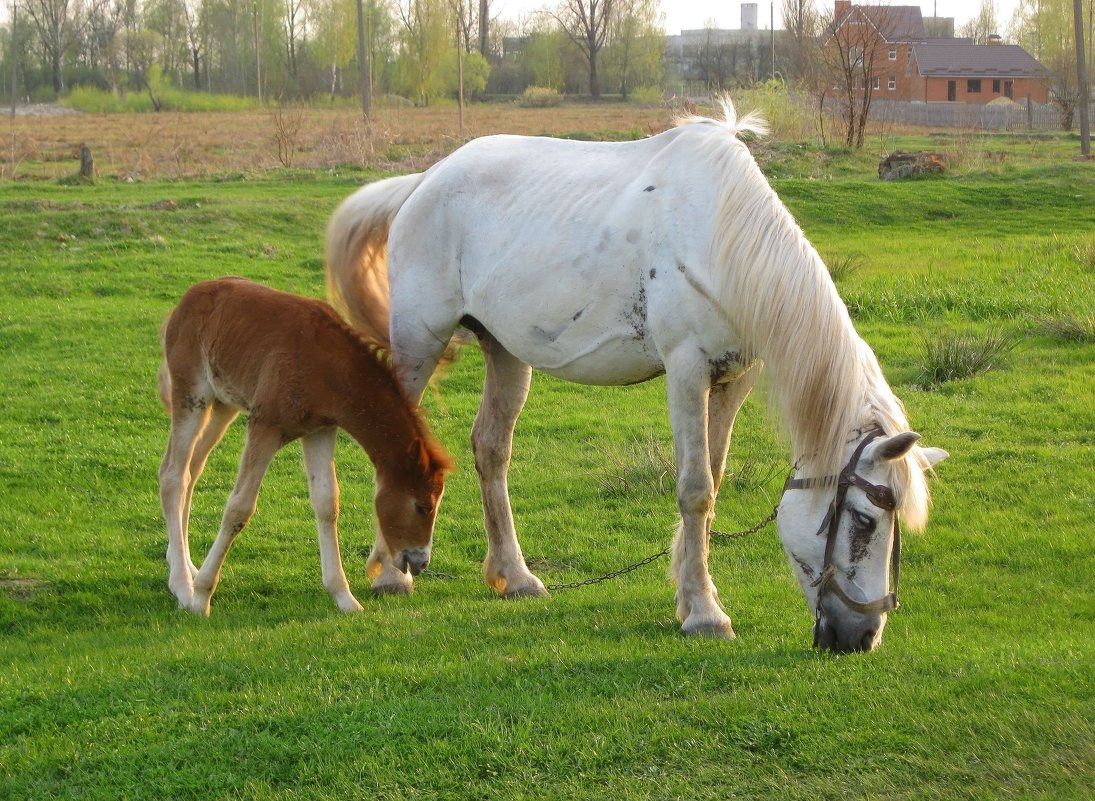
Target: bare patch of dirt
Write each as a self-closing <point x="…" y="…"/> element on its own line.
<point x="21" y="589"/>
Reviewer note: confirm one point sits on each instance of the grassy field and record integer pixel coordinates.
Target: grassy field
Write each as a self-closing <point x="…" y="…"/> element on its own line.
<point x="983" y="688"/>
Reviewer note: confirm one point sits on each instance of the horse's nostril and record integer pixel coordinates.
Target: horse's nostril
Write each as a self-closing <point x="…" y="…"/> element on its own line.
<point x="867" y="642"/>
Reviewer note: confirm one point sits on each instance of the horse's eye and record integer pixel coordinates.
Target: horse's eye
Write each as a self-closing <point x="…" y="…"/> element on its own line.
<point x="422" y="509"/>
<point x="862" y="521"/>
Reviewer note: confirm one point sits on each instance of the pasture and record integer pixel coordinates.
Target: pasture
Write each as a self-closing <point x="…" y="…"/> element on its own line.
<point x="984" y="686"/>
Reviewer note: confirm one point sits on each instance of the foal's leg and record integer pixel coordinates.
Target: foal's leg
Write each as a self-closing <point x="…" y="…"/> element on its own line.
<point x="220" y="419"/>
<point x="698" y="606"/>
<point x="504" y="393"/>
<point x="188" y="420"/>
<point x="415" y="354"/>
<point x="319" y="461"/>
<point x="262" y="444"/>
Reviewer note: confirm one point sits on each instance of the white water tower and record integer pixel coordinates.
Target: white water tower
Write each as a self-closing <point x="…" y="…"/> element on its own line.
<point x="748" y="16"/>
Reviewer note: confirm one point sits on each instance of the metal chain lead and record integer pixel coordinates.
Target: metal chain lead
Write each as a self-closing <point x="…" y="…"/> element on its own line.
<point x="733" y="535"/>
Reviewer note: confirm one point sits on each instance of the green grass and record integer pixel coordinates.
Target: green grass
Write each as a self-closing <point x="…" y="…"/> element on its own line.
<point x="982" y="688"/>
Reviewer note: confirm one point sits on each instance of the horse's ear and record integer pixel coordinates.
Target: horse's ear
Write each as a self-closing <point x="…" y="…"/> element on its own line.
<point x="895" y="447"/>
<point x="933" y="456"/>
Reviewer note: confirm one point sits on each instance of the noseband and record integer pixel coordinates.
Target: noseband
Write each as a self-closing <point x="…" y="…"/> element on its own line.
<point x="882" y="497"/>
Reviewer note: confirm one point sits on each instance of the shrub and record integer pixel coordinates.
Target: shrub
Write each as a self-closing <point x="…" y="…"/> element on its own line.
<point x="648" y="95"/>
<point x="951" y="356"/>
<point x="844" y="267"/>
<point x="1068" y="327"/>
<point x="539" y="97"/>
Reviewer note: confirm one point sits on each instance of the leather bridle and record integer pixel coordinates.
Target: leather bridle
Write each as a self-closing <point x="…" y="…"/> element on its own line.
<point x="881" y="496"/>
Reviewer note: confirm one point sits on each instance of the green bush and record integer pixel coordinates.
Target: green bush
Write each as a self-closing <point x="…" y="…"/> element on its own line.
<point x="539" y="97"/>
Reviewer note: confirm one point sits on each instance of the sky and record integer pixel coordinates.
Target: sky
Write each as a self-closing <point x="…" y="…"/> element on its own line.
<point x="687" y="14"/>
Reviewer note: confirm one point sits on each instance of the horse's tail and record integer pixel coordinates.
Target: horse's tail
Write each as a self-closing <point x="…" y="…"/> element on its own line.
<point x="357" y="255"/>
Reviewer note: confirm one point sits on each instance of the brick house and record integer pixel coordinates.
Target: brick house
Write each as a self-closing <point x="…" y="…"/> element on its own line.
<point x="968" y="73"/>
<point x="901" y="62"/>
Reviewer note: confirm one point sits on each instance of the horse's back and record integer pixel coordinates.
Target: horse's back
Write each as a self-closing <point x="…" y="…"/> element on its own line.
<point x="557" y="248"/>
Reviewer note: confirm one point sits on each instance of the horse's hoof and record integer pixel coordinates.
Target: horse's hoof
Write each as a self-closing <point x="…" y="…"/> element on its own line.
<point x="393" y="589"/>
<point x="711" y="629"/>
<point x="536" y="590"/>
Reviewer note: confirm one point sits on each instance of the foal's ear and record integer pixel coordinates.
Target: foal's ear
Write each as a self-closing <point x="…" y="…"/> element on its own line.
<point x="429" y="457"/>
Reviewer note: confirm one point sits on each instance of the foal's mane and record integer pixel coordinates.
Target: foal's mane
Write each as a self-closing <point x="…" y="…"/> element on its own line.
<point x="778" y="294"/>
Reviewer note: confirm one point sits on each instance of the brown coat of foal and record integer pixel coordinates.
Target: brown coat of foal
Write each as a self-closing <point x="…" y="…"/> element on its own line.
<point x="301" y="373"/>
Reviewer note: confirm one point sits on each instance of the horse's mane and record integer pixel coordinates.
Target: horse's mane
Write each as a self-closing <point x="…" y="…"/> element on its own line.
<point x="777" y="292"/>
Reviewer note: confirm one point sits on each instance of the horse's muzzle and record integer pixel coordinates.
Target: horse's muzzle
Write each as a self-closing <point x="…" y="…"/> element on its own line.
<point x="828" y="638"/>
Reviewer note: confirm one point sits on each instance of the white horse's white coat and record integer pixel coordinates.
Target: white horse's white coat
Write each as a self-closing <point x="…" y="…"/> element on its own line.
<point x="611" y="263"/>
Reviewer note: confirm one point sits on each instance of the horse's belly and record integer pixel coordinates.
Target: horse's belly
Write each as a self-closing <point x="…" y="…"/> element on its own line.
<point x="587" y="346"/>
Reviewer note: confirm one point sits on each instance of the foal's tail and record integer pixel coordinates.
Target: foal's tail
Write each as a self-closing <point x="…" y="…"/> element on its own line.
<point x="164" y="376"/>
<point x="357" y="255"/>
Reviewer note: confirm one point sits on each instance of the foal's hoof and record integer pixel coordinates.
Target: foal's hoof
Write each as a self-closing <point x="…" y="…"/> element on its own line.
<point x="711" y="629"/>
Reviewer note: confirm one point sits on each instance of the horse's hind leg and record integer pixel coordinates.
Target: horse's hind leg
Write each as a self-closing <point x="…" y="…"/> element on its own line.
<point x="262" y="444"/>
<point x="319" y="461"/>
<point x="698" y="606"/>
<point x="504" y="393"/>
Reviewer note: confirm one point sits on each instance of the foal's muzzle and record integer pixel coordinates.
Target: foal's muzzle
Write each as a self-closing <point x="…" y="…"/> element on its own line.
<point x="414" y="560"/>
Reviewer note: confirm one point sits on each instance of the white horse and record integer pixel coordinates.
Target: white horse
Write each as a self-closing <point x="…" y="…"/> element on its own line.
<point x="613" y="263"/>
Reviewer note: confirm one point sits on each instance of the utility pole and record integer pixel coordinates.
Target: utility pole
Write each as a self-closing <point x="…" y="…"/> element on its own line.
<point x="14" y="62"/>
<point x="772" y="34"/>
<point x="365" y="72"/>
<point x="258" y="56"/>
<point x="1081" y="76"/>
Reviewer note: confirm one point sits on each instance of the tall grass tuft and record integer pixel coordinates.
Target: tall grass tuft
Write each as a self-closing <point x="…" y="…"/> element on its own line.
<point x="1068" y="327"/>
<point x="643" y="466"/>
<point x="845" y="266"/>
<point x="1084" y="254"/>
<point x="955" y="355"/>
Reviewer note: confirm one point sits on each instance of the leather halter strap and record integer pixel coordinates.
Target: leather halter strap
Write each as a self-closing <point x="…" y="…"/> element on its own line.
<point x="881" y="496"/>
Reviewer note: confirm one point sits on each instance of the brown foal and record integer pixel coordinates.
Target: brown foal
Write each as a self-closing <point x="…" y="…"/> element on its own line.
<point x="300" y="373"/>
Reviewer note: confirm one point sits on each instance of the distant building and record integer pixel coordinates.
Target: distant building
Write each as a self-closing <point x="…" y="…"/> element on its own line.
<point x="903" y="58"/>
<point x="969" y="73"/>
<point x="720" y="58"/>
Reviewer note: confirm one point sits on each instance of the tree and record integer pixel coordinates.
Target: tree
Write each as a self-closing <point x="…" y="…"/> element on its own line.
<point x="587" y="23"/>
<point x="192" y="12"/>
<point x="983" y="25"/>
<point x="56" y="23"/>
<point x="424" y="40"/>
<point x="852" y="47"/>
<point x="1047" y="29"/>
<point x="802" y="22"/>
<point x="637" y="44"/>
<point x="544" y="57"/>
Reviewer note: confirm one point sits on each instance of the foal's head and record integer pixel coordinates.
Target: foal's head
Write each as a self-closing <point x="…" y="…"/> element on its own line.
<point x="408" y="492"/>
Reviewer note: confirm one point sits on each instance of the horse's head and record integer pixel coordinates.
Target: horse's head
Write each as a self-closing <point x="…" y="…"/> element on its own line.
<point x="841" y="534"/>
<point x="408" y="494"/>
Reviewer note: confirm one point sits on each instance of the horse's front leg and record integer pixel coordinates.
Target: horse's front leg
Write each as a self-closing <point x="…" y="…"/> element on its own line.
<point x="698" y="606"/>
<point x="504" y="393"/>
<point x="722" y="408"/>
